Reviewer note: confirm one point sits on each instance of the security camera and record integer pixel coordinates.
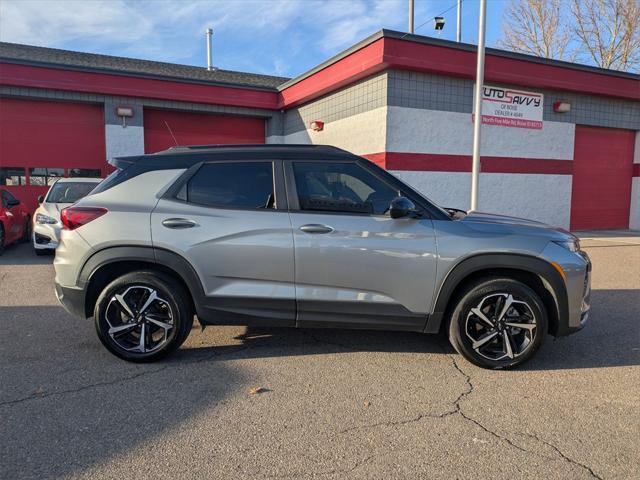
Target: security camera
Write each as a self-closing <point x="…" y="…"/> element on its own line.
<point x="438" y="23"/>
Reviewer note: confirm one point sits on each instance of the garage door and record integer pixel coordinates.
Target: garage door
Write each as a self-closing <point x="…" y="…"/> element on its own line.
<point x="161" y="126"/>
<point x="42" y="140"/>
<point x="602" y="172"/>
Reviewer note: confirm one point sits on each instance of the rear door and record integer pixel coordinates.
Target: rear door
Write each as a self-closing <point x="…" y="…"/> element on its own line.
<point x="230" y="222"/>
<point x="355" y="265"/>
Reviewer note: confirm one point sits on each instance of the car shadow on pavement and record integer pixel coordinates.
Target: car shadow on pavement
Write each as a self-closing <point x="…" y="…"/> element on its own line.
<point x="610" y="339"/>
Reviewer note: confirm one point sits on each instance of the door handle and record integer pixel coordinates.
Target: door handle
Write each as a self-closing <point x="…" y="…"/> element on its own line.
<point x="178" y="223"/>
<point x="316" y="228"/>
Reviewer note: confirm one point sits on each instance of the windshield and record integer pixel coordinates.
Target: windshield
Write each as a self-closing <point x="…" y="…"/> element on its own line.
<point x="69" y="192"/>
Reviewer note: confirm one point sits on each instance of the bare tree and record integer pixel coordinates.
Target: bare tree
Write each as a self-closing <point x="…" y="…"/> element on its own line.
<point x="609" y="32"/>
<point x="536" y="27"/>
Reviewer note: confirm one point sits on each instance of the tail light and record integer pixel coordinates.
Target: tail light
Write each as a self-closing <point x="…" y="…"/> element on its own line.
<point x="74" y="217"/>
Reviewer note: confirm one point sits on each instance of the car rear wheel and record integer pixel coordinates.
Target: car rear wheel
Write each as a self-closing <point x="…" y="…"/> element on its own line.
<point x="1" y="239"/>
<point x="498" y="323"/>
<point x="143" y="316"/>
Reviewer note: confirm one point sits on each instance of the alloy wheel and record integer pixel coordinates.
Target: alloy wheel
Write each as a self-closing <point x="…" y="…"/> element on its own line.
<point x="501" y="327"/>
<point x="139" y="319"/>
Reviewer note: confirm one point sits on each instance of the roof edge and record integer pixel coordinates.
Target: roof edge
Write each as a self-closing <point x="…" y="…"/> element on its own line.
<point x="394" y="34"/>
<point x="128" y="73"/>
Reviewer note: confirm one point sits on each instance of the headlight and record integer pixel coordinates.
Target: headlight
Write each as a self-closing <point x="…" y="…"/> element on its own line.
<point x="572" y="245"/>
<point x="40" y="218"/>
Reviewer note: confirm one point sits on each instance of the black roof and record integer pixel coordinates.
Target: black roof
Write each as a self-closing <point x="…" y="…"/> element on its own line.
<point x="186" y="156"/>
<point x="31" y="55"/>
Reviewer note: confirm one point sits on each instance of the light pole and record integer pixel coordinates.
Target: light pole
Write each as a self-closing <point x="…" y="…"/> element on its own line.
<point x="477" y="120"/>
<point x="459" y="23"/>
<point x="411" y="5"/>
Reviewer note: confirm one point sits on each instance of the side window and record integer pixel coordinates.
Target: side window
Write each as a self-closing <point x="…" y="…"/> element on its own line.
<point x="246" y="185"/>
<point x="6" y="198"/>
<point x="341" y="187"/>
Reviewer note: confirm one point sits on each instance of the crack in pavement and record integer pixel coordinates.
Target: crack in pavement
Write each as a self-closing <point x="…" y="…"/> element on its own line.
<point x="83" y="387"/>
<point x="565" y="457"/>
<point x="116" y="381"/>
<point x="458" y="410"/>
<point x="470" y="388"/>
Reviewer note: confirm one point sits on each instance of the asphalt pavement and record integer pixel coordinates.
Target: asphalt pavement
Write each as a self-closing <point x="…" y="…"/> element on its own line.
<point x="333" y="404"/>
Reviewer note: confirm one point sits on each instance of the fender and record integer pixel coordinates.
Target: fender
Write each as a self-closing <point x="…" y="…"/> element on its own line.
<point x="488" y="261"/>
<point x="165" y="258"/>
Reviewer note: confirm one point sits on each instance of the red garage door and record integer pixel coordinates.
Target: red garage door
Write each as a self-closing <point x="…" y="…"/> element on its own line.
<point x="602" y="172"/>
<point x="197" y="129"/>
<point x="42" y="140"/>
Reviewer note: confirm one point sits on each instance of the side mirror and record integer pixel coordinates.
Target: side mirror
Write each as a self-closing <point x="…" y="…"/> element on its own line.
<point x="401" y="207"/>
<point x="40" y="198"/>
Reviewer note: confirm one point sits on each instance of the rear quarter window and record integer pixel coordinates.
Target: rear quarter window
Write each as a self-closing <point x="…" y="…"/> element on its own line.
<point x="245" y="185"/>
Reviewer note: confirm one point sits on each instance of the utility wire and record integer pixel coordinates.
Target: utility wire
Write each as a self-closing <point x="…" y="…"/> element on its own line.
<point x="438" y="15"/>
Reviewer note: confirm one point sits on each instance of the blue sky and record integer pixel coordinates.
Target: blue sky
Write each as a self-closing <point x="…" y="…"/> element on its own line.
<point x="279" y="37"/>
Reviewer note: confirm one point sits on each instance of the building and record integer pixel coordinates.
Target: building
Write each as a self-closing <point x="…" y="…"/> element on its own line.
<point x="561" y="145"/>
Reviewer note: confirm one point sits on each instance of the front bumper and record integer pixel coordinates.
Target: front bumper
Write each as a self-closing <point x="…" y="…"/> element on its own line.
<point x="72" y="299"/>
<point x="585" y="305"/>
<point x="46" y="236"/>
<point x="576" y="267"/>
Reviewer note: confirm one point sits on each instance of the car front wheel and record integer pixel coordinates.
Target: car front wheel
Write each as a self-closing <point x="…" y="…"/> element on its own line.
<point x="498" y="323"/>
<point x="143" y="316"/>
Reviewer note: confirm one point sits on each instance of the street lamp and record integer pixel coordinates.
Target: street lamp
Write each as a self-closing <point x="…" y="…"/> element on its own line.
<point x="477" y="120"/>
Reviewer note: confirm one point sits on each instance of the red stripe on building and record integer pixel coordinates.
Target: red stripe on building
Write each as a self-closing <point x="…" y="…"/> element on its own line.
<point x="392" y="53"/>
<point x="409" y="55"/>
<point x="636" y="169"/>
<point x="429" y="162"/>
<point x="131" y="86"/>
<point x="360" y="64"/>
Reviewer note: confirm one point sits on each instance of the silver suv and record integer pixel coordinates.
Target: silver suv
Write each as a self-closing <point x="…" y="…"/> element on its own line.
<point x="307" y="236"/>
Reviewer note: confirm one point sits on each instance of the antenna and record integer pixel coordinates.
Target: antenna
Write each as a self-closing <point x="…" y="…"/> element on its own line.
<point x="172" y="135"/>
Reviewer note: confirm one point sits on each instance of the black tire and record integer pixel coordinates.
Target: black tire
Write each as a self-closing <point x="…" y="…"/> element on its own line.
<point x="2" y="239"/>
<point x="169" y="290"/>
<point x="26" y="234"/>
<point x="465" y="326"/>
<point x="43" y="251"/>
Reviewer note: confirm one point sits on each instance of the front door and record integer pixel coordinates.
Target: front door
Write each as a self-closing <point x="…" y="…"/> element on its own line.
<point x="228" y="223"/>
<point x="354" y="265"/>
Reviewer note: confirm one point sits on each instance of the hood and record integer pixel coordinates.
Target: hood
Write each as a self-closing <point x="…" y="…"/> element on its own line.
<point x="507" y="224"/>
<point x="503" y="219"/>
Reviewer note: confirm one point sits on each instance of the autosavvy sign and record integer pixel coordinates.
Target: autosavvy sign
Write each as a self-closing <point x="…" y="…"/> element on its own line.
<point x="511" y="108"/>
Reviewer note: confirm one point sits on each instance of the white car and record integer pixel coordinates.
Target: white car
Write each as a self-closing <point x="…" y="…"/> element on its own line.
<point x="46" y="218"/>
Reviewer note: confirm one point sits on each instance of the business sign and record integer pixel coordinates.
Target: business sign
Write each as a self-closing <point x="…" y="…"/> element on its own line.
<point x="508" y="107"/>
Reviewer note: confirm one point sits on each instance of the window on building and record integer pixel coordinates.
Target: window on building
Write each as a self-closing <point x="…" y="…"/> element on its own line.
<point x="341" y="187"/>
<point x="246" y="185"/>
<point x="11" y="176"/>
<point x="44" y="176"/>
<point x="85" y="172"/>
